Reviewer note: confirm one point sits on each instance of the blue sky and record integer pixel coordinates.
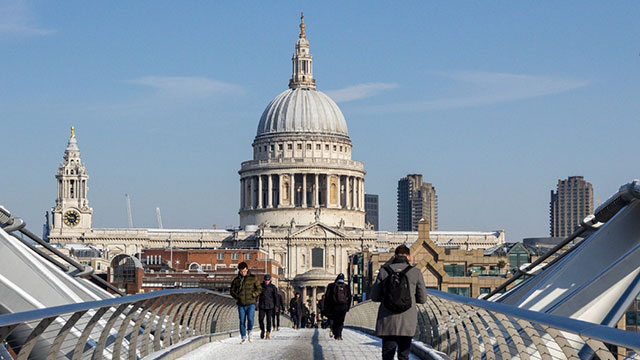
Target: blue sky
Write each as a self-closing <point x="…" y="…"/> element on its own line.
<point x="492" y="102"/>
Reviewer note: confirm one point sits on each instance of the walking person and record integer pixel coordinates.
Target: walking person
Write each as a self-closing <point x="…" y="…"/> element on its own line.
<point x="337" y="302"/>
<point x="399" y="286"/>
<point x="266" y="306"/>
<point x="245" y="289"/>
<point x="296" y="310"/>
<point x="278" y="310"/>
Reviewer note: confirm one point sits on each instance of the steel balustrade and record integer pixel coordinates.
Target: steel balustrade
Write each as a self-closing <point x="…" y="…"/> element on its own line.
<point x="465" y="328"/>
<point x="127" y="327"/>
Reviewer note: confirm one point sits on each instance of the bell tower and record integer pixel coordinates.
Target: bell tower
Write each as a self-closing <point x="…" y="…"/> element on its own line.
<point x="72" y="209"/>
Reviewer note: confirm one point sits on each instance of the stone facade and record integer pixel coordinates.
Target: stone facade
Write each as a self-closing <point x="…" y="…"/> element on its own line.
<point x="466" y="272"/>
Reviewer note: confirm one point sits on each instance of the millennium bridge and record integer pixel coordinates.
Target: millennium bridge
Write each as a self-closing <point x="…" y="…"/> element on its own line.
<point x="566" y="307"/>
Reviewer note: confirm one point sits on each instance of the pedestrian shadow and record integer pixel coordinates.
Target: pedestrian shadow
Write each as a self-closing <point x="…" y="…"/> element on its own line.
<point x="317" y="349"/>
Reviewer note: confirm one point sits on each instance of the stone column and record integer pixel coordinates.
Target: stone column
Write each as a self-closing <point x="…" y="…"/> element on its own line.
<point x="304" y="190"/>
<point x="339" y="191"/>
<point x="292" y="191"/>
<point x="254" y="186"/>
<point x="357" y="186"/>
<point x="348" y="192"/>
<point x="328" y="195"/>
<point x="303" y="293"/>
<point x="270" y="192"/>
<point x="259" y="191"/>
<point x="314" y="300"/>
<point x="316" y="190"/>
<point x="242" y="194"/>
<point x="279" y="190"/>
<point x="362" y="194"/>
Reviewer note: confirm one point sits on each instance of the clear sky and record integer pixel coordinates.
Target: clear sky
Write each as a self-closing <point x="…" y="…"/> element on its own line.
<point x="492" y="102"/>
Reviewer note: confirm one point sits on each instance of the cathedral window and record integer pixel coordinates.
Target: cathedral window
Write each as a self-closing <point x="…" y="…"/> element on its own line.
<point x="289" y="146"/>
<point x="308" y="146"/>
<point x="317" y="257"/>
<point x="299" y="146"/>
<point x="265" y="148"/>
<point x="326" y="147"/>
<point x="304" y="260"/>
<point x="335" y="147"/>
<point x="318" y="147"/>
<point x="340" y="148"/>
<point x="272" y="147"/>
<point x="280" y="147"/>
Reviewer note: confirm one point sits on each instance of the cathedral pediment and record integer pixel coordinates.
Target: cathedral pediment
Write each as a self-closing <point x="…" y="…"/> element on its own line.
<point x="318" y="230"/>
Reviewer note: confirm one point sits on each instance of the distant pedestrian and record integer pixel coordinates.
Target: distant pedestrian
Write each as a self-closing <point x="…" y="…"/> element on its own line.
<point x="296" y="310"/>
<point x="337" y="302"/>
<point x="278" y="310"/>
<point x="245" y="289"/>
<point x="266" y="306"/>
<point x="305" y="316"/>
<point x="399" y="286"/>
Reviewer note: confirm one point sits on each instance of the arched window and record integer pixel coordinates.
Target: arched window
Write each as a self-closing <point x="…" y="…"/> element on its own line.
<point x="317" y="257"/>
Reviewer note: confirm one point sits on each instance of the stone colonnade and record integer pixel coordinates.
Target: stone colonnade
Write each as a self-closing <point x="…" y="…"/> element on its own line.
<point x="306" y="190"/>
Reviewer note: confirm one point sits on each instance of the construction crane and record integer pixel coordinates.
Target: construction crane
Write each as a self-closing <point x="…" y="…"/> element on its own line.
<point x="159" y="216"/>
<point x="130" y="217"/>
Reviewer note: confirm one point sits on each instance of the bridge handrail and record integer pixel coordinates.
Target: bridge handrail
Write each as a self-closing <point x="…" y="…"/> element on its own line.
<point x="31" y="315"/>
<point x="602" y="333"/>
<point x="462" y="327"/>
<point x="132" y="326"/>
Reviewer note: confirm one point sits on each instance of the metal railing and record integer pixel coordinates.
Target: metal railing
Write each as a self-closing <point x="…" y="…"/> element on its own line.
<point x="126" y="327"/>
<point x="465" y="328"/>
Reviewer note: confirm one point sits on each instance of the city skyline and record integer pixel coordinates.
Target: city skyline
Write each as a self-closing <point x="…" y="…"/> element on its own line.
<point x="166" y="106"/>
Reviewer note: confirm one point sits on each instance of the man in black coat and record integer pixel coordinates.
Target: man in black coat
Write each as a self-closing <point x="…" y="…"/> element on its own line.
<point x="337" y="301"/>
<point x="266" y="305"/>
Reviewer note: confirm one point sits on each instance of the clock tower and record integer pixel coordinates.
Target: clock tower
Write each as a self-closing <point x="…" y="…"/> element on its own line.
<point x="72" y="211"/>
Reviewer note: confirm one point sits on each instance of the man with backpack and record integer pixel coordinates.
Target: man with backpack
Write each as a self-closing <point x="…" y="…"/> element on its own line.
<point x="399" y="286"/>
<point x="267" y="302"/>
<point x="337" y="301"/>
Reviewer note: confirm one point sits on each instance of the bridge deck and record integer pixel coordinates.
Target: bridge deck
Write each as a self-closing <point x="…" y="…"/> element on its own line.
<point x="311" y="344"/>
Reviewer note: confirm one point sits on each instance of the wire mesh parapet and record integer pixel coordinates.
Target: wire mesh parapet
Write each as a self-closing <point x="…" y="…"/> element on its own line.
<point x="127" y="327"/>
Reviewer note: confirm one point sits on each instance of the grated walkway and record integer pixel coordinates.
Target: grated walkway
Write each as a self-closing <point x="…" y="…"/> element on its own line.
<point x="304" y="344"/>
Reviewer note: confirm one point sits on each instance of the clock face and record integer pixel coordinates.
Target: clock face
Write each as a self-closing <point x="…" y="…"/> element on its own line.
<point x="72" y="218"/>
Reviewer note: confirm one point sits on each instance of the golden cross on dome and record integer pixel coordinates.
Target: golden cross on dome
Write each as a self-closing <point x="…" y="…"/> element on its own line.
<point x="73" y="131"/>
<point x="302" y="25"/>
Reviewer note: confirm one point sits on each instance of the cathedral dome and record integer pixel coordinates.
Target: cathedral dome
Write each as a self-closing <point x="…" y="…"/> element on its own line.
<point x="302" y="110"/>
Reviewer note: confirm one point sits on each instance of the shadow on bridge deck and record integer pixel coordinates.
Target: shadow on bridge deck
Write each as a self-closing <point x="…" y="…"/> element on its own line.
<point x="304" y="344"/>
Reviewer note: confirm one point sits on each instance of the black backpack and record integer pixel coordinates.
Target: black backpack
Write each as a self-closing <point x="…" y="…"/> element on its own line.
<point x="397" y="295"/>
<point x="340" y="294"/>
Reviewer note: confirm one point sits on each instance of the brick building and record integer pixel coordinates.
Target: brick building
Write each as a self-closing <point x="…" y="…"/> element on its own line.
<point x="212" y="269"/>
